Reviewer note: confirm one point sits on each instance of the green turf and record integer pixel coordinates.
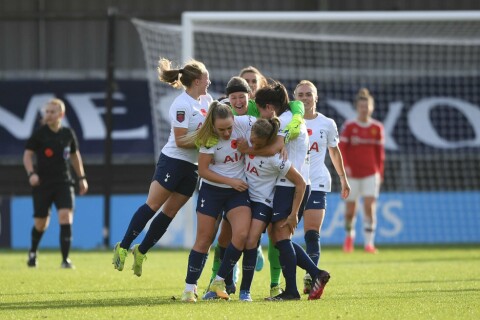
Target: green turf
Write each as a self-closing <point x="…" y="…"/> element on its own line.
<point x="399" y="283"/>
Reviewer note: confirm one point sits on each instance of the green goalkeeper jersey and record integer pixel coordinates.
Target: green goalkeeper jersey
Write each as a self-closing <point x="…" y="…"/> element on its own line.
<point x="295" y="106"/>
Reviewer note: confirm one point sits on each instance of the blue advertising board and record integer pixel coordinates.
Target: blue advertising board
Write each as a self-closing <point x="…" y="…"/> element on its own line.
<point x="403" y="218"/>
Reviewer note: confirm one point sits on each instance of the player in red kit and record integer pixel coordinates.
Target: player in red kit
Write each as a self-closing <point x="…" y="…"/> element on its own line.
<point x="362" y="146"/>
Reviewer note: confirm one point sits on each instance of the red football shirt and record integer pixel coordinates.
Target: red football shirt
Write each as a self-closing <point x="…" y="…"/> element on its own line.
<point x="362" y="147"/>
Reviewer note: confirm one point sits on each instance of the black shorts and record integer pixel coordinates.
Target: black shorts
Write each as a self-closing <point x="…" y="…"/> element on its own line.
<point x="176" y="175"/>
<point x="283" y="200"/>
<point x="61" y="194"/>
<point x="213" y="200"/>
<point x="261" y="211"/>
<point x="317" y="200"/>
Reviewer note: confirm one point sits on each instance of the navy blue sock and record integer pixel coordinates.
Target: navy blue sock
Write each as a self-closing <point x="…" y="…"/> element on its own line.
<point x="288" y="261"/>
<point x="229" y="277"/>
<point x="231" y="257"/>
<point x="249" y="261"/>
<point x="312" y="243"/>
<point x="157" y="228"/>
<point x="304" y="261"/>
<point x="137" y="223"/>
<point x="196" y="262"/>
<point x="65" y="239"/>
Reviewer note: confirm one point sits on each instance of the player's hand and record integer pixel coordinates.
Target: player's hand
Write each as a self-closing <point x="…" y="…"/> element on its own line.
<point x="293" y="128"/>
<point x="283" y="154"/>
<point x="291" y="222"/>
<point x="34" y="180"/>
<point x="238" y="184"/>
<point x="83" y="186"/>
<point x="211" y="141"/>
<point x="345" y="187"/>
<point x="242" y="145"/>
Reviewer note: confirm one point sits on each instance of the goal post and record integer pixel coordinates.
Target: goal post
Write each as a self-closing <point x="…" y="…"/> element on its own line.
<point x="196" y="21"/>
<point x="423" y="69"/>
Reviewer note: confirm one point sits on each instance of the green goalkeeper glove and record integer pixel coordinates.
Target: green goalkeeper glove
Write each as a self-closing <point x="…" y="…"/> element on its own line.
<point x="292" y="129"/>
<point x="210" y="142"/>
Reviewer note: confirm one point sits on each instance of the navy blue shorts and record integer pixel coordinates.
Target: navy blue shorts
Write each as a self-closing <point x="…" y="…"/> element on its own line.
<point x="176" y="175"/>
<point x="317" y="200"/>
<point x="261" y="211"/>
<point x="282" y="202"/>
<point x="62" y="195"/>
<point x="213" y="200"/>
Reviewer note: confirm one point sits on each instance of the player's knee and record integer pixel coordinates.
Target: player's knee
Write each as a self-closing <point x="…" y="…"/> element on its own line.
<point x="312" y="236"/>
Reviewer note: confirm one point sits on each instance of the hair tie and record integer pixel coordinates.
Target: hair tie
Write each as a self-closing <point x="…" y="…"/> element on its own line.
<point x="180" y="70"/>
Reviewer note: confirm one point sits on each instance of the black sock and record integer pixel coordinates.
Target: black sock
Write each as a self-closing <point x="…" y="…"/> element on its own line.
<point x="304" y="261"/>
<point x="157" y="228"/>
<point x="249" y="261"/>
<point x="36" y="237"/>
<point x="196" y="262"/>
<point x="65" y="239"/>
<point x="312" y="243"/>
<point x="288" y="261"/>
<point x="138" y="222"/>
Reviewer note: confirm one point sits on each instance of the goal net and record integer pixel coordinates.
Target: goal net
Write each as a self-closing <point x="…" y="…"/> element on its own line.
<point x="423" y="69"/>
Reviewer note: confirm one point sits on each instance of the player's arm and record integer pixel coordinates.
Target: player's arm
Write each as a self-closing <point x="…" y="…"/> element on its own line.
<point x="266" y="151"/>
<point x="380" y="153"/>
<point x="204" y="160"/>
<point x="337" y="160"/>
<point x="343" y="146"/>
<point x="33" y="178"/>
<point x="296" y="178"/>
<point x="181" y="143"/>
<point x="77" y="164"/>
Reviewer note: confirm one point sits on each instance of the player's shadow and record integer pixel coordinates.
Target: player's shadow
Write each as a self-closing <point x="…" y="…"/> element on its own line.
<point x="90" y="303"/>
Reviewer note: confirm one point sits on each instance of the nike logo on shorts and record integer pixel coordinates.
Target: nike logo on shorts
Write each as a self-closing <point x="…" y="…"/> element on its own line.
<point x="262" y="214"/>
<point x="316" y="201"/>
<point x="276" y="213"/>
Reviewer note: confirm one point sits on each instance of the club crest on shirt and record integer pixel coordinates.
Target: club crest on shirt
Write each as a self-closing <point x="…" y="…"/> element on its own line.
<point x="180" y="116"/>
<point x="48" y="152"/>
<point x="203" y="112"/>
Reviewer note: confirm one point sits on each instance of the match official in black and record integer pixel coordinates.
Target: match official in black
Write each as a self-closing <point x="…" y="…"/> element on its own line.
<point x="54" y="147"/>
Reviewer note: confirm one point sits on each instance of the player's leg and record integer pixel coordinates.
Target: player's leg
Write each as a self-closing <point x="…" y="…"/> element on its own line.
<point x="312" y="223"/>
<point x="288" y="261"/>
<point x="261" y="215"/>
<point x="371" y="186"/>
<point x="157" y="229"/>
<point x="224" y="238"/>
<point x="369" y="224"/>
<point x="42" y="201"/>
<point x="64" y="201"/>
<point x="319" y="277"/>
<point x="238" y="213"/>
<point x="275" y="267"/>
<point x="198" y="255"/>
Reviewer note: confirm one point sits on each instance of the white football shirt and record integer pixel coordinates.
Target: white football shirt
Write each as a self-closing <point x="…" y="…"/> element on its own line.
<point x="227" y="160"/>
<point x="297" y="150"/>
<point x="186" y="112"/>
<point x="323" y="133"/>
<point x="262" y="174"/>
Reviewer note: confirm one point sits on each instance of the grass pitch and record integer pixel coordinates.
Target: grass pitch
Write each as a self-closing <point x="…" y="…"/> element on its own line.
<point x="399" y="283"/>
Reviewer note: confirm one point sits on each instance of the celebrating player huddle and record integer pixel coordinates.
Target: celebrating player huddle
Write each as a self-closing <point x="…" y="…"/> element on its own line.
<point x="256" y="175"/>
